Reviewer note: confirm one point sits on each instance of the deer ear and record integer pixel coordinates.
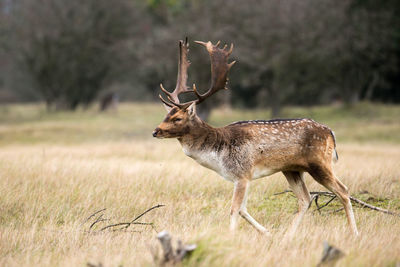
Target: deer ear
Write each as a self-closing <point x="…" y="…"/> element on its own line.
<point x="192" y="110"/>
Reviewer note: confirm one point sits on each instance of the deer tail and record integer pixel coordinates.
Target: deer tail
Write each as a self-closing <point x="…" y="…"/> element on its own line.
<point x="335" y="156"/>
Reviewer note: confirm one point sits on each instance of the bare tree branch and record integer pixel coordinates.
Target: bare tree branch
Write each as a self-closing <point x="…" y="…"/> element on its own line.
<point x="316" y="204"/>
<point x="99" y="219"/>
<point x="155" y="207"/>
<point x="326" y="204"/>
<point x="92" y="215"/>
<point x="333" y="196"/>
<point x="127" y="224"/>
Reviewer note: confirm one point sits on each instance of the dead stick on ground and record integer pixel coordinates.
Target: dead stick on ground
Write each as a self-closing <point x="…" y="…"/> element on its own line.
<point x="283" y="192"/>
<point x="326" y="204"/>
<point x="127" y="224"/>
<point x="312" y="198"/>
<point x="364" y="204"/>
<point x="316" y="204"/>
<point x="356" y="200"/>
<point x="96" y="212"/>
<point x="99" y="219"/>
<point x="155" y="207"/>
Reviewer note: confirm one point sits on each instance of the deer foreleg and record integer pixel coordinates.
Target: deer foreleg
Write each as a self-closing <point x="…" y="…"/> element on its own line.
<point x="239" y="203"/>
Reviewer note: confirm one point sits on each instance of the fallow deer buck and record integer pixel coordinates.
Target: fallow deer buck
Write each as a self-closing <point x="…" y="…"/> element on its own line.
<point x="247" y="150"/>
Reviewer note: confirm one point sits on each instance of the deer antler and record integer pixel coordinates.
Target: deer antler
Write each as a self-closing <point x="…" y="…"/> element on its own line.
<point x="219" y="69"/>
<point x="181" y="86"/>
<point x="219" y="72"/>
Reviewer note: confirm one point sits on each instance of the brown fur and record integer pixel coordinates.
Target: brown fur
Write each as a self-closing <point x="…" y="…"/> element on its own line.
<point x="248" y="150"/>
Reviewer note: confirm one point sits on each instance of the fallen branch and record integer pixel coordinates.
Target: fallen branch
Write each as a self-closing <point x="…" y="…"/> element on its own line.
<point x="313" y="197"/>
<point x="92" y="215"/>
<point x="364" y="204"/>
<point x="316" y="204"/>
<point x="98" y="217"/>
<point x="283" y="192"/>
<point x="326" y="204"/>
<point x="127" y="224"/>
<point x="333" y="196"/>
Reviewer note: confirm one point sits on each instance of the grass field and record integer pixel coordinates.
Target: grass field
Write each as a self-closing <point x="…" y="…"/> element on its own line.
<point x="57" y="169"/>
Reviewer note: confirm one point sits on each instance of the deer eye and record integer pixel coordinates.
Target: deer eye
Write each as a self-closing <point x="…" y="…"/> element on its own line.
<point x="177" y="119"/>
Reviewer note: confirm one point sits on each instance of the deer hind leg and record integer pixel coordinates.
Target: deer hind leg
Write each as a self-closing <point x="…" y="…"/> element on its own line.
<point x="239" y="203"/>
<point x="299" y="188"/>
<point x="325" y="176"/>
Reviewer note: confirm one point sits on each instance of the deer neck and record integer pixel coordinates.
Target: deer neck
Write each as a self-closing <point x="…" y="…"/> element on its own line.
<point x="202" y="143"/>
<point x="198" y="137"/>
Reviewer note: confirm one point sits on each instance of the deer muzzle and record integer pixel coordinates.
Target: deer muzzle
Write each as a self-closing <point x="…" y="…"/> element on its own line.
<point x="156" y="132"/>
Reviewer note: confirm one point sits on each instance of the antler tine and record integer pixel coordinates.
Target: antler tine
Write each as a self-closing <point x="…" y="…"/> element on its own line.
<point x="165" y="91"/>
<point x="230" y="50"/>
<point x="170" y="97"/>
<point x="165" y="102"/>
<point x="219" y="69"/>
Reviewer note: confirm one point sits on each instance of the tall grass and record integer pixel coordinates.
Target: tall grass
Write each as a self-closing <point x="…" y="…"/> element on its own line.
<point x="57" y="169"/>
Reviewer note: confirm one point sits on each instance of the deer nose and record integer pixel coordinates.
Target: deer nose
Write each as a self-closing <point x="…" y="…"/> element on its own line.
<point x="156" y="131"/>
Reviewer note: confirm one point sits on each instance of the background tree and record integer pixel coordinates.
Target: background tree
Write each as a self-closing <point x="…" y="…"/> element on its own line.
<point x="68" y="47"/>
<point x="289" y="52"/>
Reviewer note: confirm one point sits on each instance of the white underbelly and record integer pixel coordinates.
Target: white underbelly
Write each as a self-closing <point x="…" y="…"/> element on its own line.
<point x="262" y="171"/>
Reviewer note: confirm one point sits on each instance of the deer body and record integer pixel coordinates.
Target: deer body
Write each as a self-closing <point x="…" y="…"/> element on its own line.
<point x="248" y="150"/>
<point x="256" y="149"/>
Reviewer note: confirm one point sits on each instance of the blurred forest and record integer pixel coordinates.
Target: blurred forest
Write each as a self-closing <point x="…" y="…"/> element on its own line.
<point x="289" y="52"/>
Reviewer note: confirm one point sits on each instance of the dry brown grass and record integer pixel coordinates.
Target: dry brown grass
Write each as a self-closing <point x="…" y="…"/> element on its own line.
<point x="47" y="190"/>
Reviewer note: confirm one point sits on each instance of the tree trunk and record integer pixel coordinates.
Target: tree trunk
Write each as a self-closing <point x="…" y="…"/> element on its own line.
<point x="354" y="97"/>
<point x="276" y="109"/>
<point x="275" y="102"/>
<point x="371" y="87"/>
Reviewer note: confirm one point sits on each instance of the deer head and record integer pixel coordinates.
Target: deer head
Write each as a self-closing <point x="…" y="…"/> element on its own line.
<point x="182" y="117"/>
